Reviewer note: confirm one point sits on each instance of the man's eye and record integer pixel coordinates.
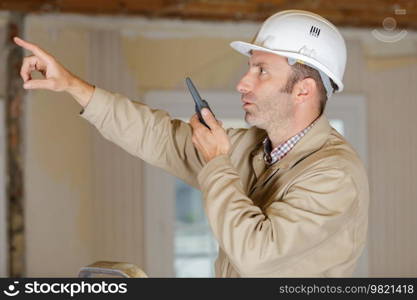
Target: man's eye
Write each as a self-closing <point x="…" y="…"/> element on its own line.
<point x="262" y="71"/>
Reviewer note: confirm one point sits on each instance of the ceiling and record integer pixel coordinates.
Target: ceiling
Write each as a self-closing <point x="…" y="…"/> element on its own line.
<point x="353" y="13"/>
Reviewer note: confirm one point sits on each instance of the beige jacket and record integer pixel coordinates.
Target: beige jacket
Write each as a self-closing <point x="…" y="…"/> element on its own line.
<point x="305" y="216"/>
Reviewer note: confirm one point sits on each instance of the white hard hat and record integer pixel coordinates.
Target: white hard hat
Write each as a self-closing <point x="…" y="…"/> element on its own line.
<point x="302" y="37"/>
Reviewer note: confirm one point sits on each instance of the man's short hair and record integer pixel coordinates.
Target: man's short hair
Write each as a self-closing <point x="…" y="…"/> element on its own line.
<point x="300" y="72"/>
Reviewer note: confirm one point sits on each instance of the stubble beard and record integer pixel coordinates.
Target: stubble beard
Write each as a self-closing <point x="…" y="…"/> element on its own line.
<point x="271" y="117"/>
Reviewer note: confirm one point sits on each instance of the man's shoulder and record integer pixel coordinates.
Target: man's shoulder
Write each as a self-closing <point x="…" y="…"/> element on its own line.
<point x="336" y="153"/>
<point x="340" y="149"/>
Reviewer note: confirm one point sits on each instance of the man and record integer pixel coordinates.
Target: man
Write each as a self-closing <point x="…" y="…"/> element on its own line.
<point x="287" y="197"/>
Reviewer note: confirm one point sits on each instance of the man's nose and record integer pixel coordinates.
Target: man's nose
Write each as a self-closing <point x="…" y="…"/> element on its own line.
<point x="244" y="85"/>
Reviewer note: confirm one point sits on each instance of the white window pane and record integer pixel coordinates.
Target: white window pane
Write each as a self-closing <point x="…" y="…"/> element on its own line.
<point x="195" y="246"/>
<point x="194" y="267"/>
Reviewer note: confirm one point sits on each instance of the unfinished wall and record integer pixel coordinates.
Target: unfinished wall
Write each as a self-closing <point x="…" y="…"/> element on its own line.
<point x="58" y="167"/>
<point x="4" y="19"/>
<point x="63" y="168"/>
<point x="391" y="90"/>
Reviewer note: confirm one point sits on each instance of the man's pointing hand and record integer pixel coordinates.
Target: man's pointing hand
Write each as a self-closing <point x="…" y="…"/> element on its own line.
<point x="56" y="77"/>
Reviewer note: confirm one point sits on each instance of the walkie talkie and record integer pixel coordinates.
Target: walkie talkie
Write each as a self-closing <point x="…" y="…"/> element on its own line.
<point x="199" y="102"/>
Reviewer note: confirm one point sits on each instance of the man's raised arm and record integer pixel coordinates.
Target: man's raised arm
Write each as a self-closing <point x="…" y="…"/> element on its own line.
<point x="147" y="133"/>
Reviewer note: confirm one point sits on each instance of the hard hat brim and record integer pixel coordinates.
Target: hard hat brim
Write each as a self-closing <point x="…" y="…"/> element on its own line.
<point x="246" y="48"/>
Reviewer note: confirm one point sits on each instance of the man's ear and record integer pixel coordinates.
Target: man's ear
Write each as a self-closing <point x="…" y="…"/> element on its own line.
<point x="304" y="90"/>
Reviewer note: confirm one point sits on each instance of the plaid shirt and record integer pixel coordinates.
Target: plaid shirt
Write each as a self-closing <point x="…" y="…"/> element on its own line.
<point x="273" y="156"/>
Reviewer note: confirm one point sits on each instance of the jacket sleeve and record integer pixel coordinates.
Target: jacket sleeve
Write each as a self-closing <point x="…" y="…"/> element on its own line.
<point x="314" y="210"/>
<point x="147" y="133"/>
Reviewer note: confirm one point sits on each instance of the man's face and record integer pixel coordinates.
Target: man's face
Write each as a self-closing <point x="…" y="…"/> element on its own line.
<point x="262" y="88"/>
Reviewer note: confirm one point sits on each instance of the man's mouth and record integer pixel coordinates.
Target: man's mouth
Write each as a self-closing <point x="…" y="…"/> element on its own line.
<point x="246" y="101"/>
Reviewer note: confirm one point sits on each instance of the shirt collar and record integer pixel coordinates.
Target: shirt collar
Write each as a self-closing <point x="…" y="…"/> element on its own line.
<point x="272" y="156"/>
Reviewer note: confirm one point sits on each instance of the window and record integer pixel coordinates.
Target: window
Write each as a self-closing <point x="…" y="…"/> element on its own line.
<point x="195" y="247"/>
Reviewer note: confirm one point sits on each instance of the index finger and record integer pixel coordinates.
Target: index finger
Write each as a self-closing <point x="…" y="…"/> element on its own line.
<point x="209" y="118"/>
<point x="33" y="48"/>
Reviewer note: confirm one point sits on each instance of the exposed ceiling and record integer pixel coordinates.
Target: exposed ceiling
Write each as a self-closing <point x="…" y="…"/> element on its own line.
<point x="354" y="13"/>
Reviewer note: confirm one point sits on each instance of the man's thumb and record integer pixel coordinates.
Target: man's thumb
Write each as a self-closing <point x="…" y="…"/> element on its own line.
<point x="38" y="84"/>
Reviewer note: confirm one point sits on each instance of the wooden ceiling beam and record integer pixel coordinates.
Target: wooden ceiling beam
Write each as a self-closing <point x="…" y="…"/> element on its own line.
<point x="357" y="13"/>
